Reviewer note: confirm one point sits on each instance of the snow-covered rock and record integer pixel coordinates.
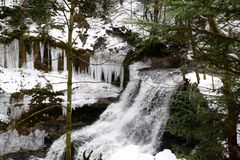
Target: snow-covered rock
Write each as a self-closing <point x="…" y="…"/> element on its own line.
<point x="12" y="141"/>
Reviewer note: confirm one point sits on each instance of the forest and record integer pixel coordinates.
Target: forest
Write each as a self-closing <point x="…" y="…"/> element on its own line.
<point x="119" y="79"/>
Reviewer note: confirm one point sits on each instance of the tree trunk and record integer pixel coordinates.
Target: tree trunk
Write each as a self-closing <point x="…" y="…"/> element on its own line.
<point x="22" y="53"/>
<point x="232" y="117"/>
<point x="37" y="55"/>
<point x="69" y="84"/>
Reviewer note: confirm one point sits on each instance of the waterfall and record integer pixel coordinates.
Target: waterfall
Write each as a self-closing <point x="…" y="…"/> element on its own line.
<point x="137" y="119"/>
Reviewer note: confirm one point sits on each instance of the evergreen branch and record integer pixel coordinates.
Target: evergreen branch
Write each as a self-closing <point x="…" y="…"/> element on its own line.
<point x="64" y="13"/>
<point x="66" y="4"/>
<point x="197" y="30"/>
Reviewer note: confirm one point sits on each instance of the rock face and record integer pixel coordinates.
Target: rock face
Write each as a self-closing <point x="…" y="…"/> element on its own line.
<point x="171" y="60"/>
<point x="161" y="55"/>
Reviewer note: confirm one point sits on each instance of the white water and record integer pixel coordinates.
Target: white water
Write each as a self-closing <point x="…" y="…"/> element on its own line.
<point x="138" y="118"/>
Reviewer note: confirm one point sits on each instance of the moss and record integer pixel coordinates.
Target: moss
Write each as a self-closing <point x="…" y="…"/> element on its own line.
<point x="3" y="127"/>
<point x="16" y="97"/>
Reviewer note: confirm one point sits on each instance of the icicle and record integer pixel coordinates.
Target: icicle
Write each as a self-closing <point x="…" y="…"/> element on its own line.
<point x="55" y="54"/>
<point x="30" y="61"/>
<point x="108" y="71"/>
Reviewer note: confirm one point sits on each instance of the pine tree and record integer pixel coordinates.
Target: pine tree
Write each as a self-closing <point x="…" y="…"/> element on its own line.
<point x="213" y="47"/>
<point x="207" y="28"/>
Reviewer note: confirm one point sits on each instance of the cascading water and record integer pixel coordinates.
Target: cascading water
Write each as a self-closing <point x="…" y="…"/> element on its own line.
<point x="138" y="118"/>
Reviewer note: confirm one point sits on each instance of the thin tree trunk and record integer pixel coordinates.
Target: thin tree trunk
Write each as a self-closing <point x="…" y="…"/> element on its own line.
<point x="193" y="46"/>
<point x="214" y="27"/>
<point x="45" y="56"/>
<point x="5" y="57"/>
<point x="232" y="117"/>
<point x="69" y="84"/>
<point x="156" y="11"/>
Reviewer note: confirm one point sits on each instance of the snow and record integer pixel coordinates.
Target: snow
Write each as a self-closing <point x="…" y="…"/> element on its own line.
<point x="132" y="152"/>
<point x="4" y="118"/>
<point x="127" y="14"/>
<point x="206" y="83"/>
<point x="33" y="30"/>
<point x="10" y="3"/>
<point x="97" y="27"/>
<point x="233" y="55"/>
<point x="85" y="89"/>
<point x="14" y="80"/>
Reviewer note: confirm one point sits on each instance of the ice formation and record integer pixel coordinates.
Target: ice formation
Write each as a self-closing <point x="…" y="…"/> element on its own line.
<point x="12" y="141"/>
<point x="101" y="69"/>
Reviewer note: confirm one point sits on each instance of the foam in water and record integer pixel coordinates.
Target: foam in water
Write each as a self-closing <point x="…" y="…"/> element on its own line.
<point x="137" y="119"/>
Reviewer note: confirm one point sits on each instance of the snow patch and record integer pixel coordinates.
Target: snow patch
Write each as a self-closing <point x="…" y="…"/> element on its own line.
<point x="208" y="84"/>
<point x="4" y="118"/>
<point x="14" y="80"/>
<point x="132" y="152"/>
